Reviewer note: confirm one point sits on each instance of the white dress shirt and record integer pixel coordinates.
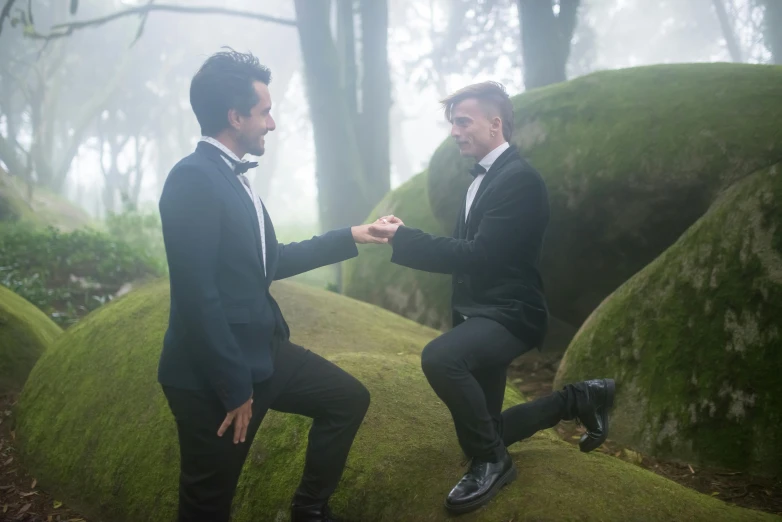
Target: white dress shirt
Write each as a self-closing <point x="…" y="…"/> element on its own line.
<point x="486" y="163"/>
<point x="257" y="203"/>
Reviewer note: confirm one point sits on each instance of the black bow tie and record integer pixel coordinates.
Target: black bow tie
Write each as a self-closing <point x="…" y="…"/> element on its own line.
<point x="240" y="167"/>
<point x="477" y="170"/>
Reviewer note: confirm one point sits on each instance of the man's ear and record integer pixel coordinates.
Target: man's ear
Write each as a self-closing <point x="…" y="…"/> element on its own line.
<point x="233" y="118"/>
<point x="496" y="124"/>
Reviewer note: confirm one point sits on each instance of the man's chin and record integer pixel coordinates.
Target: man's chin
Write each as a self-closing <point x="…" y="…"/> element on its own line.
<point x="257" y="151"/>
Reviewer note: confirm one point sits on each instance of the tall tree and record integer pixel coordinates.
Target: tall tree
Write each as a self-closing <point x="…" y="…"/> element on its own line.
<point x="351" y="139"/>
<point x="772" y="29"/>
<point x="546" y="32"/>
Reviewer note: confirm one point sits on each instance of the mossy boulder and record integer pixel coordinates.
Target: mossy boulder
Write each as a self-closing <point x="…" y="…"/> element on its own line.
<point x="25" y="334"/>
<point x="371" y="277"/>
<point x="631" y="159"/>
<point x="694" y="339"/>
<point x="94" y="429"/>
<point x="42" y="208"/>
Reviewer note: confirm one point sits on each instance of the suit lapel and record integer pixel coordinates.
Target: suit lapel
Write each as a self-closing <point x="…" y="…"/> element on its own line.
<point x="271" y="245"/>
<point x="492" y="172"/>
<point x="237" y="185"/>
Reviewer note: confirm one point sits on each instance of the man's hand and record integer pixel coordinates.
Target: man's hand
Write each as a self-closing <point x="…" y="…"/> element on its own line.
<point x="383" y="231"/>
<point x="240" y="418"/>
<point x="388" y="220"/>
<point x="361" y="235"/>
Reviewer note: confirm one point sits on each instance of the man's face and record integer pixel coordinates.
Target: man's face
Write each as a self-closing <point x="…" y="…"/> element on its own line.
<point x="252" y="129"/>
<point x="471" y="128"/>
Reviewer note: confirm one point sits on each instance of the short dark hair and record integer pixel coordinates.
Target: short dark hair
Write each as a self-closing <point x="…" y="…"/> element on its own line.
<point x="224" y="82"/>
<point x="491" y="93"/>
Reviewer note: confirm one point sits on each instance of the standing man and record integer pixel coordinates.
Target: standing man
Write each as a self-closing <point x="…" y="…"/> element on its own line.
<point x="499" y="310"/>
<point x="227" y="358"/>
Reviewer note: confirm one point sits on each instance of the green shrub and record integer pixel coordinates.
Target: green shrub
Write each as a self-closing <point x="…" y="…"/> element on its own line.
<point x="69" y="274"/>
<point x="142" y="231"/>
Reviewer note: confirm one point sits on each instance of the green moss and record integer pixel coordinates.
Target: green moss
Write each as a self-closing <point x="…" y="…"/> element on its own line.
<point x="371" y="277"/>
<point x="25" y="333"/>
<point x="631" y="159"/>
<point x="94" y="428"/>
<point x="694" y="339"/>
<point x="44" y="208"/>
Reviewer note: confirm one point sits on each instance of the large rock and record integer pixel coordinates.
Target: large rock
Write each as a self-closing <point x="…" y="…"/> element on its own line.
<point x="371" y="277"/>
<point x="694" y="339"/>
<point x="631" y="159"/>
<point x="25" y="333"/>
<point x="94" y="429"/>
<point x="43" y="208"/>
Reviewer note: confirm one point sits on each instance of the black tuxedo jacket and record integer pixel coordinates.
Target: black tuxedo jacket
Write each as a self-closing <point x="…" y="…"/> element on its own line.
<point x="223" y="318"/>
<point x="494" y="257"/>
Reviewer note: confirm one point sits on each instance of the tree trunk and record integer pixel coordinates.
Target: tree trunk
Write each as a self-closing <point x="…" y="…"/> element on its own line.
<point x="375" y="100"/>
<point x="346" y="42"/>
<point x="727" y="31"/>
<point x="341" y="199"/>
<point x="772" y="33"/>
<point x="545" y="40"/>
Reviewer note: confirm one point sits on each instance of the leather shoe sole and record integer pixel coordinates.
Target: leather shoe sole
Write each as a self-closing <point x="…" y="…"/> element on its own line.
<point x="472" y="505"/>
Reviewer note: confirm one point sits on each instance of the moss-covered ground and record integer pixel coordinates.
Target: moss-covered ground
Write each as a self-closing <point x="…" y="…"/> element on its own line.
<point x="94" y="429"/>
<point x="25" y="333"/>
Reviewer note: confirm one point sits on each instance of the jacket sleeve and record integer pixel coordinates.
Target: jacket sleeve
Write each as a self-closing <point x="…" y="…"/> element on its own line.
<point x="191" y="217"/>
<point x="329" y="248"/>
<point x="513" y="214"/>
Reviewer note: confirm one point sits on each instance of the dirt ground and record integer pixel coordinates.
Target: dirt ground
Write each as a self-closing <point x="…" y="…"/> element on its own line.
<point x="22" y="500"/>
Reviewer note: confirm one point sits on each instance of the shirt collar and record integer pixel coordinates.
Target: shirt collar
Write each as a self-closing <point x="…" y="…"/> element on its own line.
<point x="223" y="149"/>
<point x="492" y="156"/>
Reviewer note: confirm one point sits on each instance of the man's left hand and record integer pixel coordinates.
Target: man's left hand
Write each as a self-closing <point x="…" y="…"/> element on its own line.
<point x="361" y="235"/>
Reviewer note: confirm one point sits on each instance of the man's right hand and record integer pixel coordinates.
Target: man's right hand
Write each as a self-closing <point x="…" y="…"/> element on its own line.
<point x="240" y="418"/>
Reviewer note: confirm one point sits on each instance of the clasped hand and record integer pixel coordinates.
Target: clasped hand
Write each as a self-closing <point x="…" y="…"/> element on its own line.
<point x="381" y="231"/>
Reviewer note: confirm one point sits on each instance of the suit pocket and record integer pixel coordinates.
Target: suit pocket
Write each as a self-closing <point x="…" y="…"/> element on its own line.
<point x="237" y="314"/>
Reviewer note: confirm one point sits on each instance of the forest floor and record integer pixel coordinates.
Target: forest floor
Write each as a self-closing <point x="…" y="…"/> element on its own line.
<point x="22" y="500"/>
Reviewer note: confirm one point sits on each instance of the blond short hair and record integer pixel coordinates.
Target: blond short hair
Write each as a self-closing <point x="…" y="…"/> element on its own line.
<point x="491" y="94"/>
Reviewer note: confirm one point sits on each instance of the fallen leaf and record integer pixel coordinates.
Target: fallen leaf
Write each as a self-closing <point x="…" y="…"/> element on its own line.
<point x="34" y="483"/>
<point x="691" y="470"/>
<point x="5" y="508"/>
<point x="10" y="460"/>
<point x="57" y="504"/>
<point x="24" y="508"/>
<point x="576" y="436"/>
<point x="715" y="493"/>
<point x="28" y="494"/>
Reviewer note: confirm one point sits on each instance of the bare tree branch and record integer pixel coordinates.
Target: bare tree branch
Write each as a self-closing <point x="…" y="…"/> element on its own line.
<point x="62" y="30"/>
<point x="6" y="12"/>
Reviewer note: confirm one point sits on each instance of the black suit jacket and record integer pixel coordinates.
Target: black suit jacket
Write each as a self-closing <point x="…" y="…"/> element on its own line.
<point x="223" y="318"/>
<point x="494" y="257"/>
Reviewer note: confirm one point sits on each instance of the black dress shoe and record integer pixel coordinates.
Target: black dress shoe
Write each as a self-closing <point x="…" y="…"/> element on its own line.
<point x="479" y="485"/>
<point x="594" y="399"/>
<point x="312" y="513"/>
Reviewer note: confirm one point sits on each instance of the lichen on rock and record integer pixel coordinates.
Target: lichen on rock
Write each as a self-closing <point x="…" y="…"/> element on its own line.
<point x="631" y="159"/>
<point x="703" y="320"/>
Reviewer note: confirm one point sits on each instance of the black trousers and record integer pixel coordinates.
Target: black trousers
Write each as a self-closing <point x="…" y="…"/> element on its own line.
<point x="467" y="368"/>
<point x="303" y="383"/>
